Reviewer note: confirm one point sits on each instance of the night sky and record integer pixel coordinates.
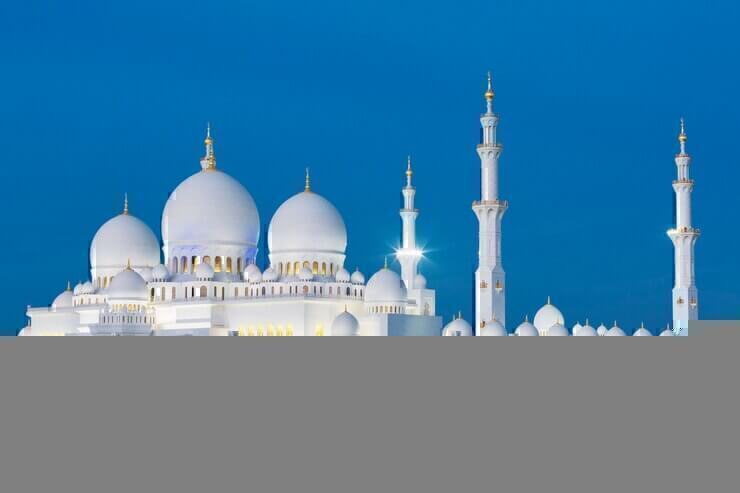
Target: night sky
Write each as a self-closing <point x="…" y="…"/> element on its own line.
<point x="98" y="100"/>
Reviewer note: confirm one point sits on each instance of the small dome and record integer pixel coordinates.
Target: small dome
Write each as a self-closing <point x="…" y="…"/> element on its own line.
<point x="458" y="327"/>
<point x="557" y="330"/>
<point x="615" y="332"/>
<point x="78" y="289"/>
<point x="307" y="223"/>
<point x="385" y="286"/>
<point x="585" y="331"/>
<point x="642" y="332"/>
<point x="345" y="324"/>
<point x="420" y="282"/>
<point x="123" y="239"/>
<point x="160" y="273"/>
<point x="526" y="329"/>
<point x="252" y="274"/>
<point x="602" y="330"/>
<point x="87" y="288"/>
<point x="204" y="271"/>
<point x="128" y="285"/>
<point x="666" y="333"/>
<point x="270" y="275"/>
<point x="493" y="329"/>
<point x="63" y="300"/>
<point x="576" y="328"/>
<point x="358" y="277"/>
<point x="547" y="316"/>
<point x="342" y="275"/>
<point x="305" y="274"/>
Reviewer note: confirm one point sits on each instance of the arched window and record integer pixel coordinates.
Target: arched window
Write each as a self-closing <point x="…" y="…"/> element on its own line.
<point x="174" y="291"/>
<point x="315" y="268"/>
<point x="194" y="262"/>
<point x="228" y="264"/>
<point x="239" y="264"/>
<point x="184" y="263"/>
<point x="305" y="289"/>
<point x="348" y="291"/>
<point x="223" y="293"/>
<point x="219" y="264"/>
<point x="207" y="260"/>
<point x="272" y="290"/>
<point x="323" y="268"/>
<point x="214" y="292"/>
<point x="203" y="292"/>
<point x="330" y="290"/>
<point x="306" y="264"/>
<point x="288" y="268"/>
<point x="192" y="292"/>
<point x="296" y="267"/>
<point x="263" y="290"/>
<point x="236" y="292"/>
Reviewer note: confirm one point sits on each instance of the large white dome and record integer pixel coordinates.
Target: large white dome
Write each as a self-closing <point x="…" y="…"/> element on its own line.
<point x="307" y="223"/>
<point x="122" y="239"/>
<point x="210" y="207"/>
<point x="345" y="324"/>
<point x="458" y="327"/>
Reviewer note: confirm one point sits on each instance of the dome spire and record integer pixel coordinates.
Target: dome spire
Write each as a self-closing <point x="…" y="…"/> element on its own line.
<point x="209" y="160"/>
<point x="308" y="181"/>
<point x="69" y="286"/>
<point x="125" y="204"/>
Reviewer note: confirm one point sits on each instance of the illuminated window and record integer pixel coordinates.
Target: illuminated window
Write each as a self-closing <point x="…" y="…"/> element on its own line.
<point x="219" y="261"/>
<point x="228" y="264"/>
<point x="288" y="268"/>
<point x="184" y="263"/>
<point x="323" y="268"/>
<point x="315" y="268"/>
<point x="306" y="264"/>
<point x="207" y="260"/>
<point x="203" y="292"/>
<point x="319" y="331"/>
<point x="250" y="331"/>
<point x="194" y="262"/>
<point x="239" y="264"/>
<point x="289" y="331"/>
<point x="174" y="291"/>
<point x="297" y="267"/>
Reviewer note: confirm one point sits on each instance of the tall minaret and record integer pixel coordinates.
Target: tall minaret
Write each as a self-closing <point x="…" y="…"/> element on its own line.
<point x="408" y="255"/>
<point x="490" y="292"/>
<point x="684" y="236"/>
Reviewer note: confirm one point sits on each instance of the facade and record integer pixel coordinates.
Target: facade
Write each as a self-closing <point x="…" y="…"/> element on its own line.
<point x="205" y="280"/>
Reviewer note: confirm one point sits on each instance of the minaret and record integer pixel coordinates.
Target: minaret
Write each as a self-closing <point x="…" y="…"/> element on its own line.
<point x="490" y="293"/>
<point x="408" y="255"/>
<point x="684" y="236"/>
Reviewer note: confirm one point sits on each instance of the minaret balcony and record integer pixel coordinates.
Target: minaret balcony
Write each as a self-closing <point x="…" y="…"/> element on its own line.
<point x="683" y="182"/>
<point x="489" y="146"/>
<point x="684" y="230"/>
<point x="497" y="203"/>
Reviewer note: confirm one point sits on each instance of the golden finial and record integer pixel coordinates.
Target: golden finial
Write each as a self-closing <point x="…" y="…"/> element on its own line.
<point x="308" y="181"/>
<point x="489" y="93"/>
<point x="128" y="264"/>
<point x="409" y="172"/>
<point x="548" y="300"/>
<point x="209" y="161"/>
<point x="125" y="204"/>
<point x="682" y="137"/>
<point x="459" y="314"/>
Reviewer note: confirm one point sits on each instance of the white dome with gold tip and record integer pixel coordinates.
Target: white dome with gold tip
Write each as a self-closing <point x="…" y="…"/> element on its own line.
<point x="546" y="317"/>
<point x="122" y="239"/>
<point x="308" y="228"/>
<point x="210" y="214"/>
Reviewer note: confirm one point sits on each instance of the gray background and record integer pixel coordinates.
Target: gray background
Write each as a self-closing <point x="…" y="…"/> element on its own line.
<point x="370" y="414"/>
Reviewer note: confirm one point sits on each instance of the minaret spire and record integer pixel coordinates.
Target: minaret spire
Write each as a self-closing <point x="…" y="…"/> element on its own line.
<point x="208" y="163"/>
<point x="684" y="236"/>
<point x="308" y="181"/>
<point x="490" y="287"/>
<point x="125" y="204"/>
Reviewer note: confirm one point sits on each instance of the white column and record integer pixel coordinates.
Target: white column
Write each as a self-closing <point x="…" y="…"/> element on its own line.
<point x="684" y="236"/>
<point x="490" y="288"/>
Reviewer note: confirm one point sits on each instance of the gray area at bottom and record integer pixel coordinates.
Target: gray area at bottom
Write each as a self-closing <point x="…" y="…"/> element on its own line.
<point x="369" y="414"/>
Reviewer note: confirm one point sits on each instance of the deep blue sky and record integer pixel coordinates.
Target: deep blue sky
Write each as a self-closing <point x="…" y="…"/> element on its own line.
<point x="100" y="99"/>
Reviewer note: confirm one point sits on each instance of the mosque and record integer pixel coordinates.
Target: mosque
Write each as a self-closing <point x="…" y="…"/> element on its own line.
<point x="210" y="284"/>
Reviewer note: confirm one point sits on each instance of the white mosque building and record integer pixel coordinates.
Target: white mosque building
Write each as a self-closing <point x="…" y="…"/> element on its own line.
<point x="209" y="282"/>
